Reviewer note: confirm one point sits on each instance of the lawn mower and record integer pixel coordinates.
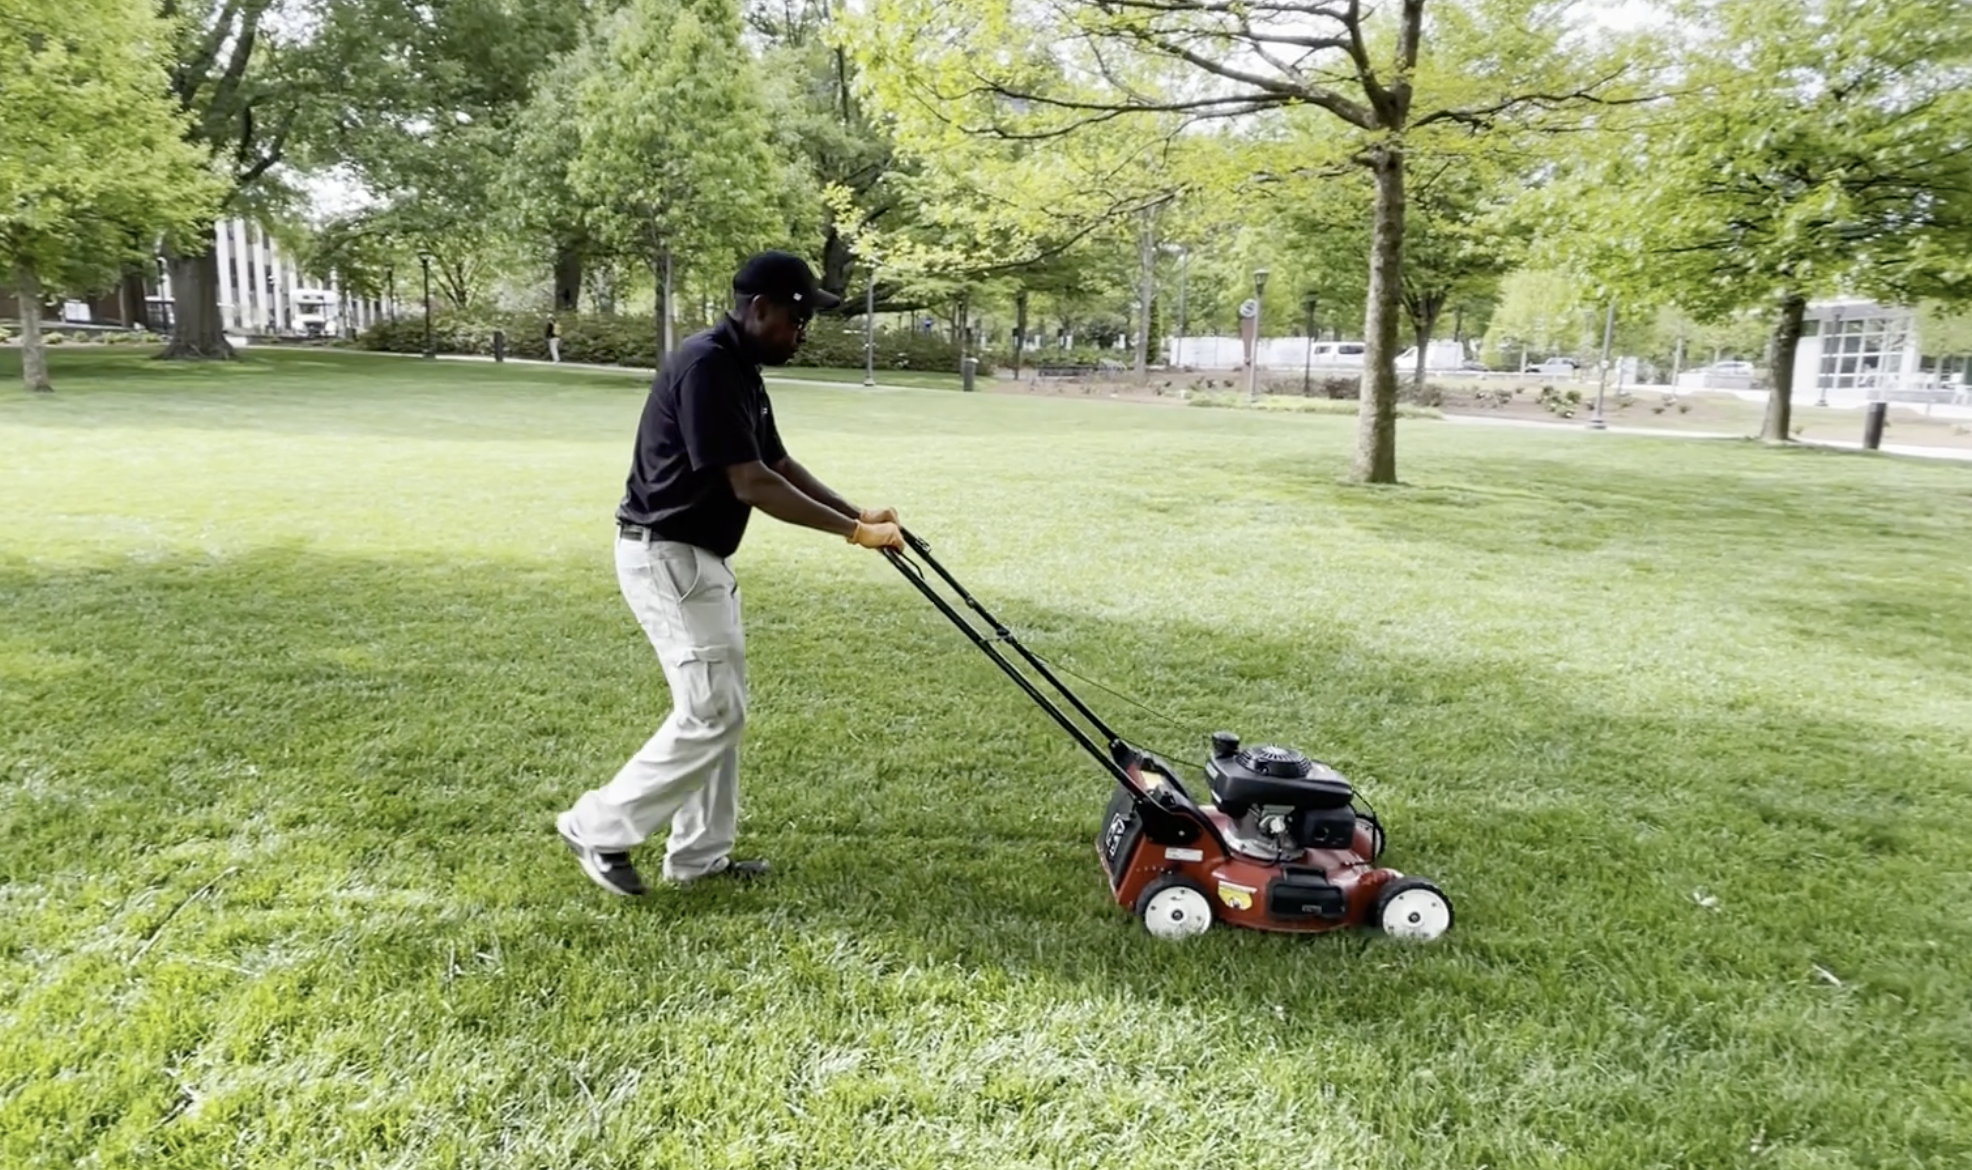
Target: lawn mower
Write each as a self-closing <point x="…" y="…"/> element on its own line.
<point x="1279" y="846"/>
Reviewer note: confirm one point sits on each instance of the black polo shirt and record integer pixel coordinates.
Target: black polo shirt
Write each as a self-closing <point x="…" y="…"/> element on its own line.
<point x="707" y="410"/>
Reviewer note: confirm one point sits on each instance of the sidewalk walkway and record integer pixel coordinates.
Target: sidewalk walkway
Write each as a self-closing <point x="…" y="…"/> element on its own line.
<point x="1961" y="454"/>
<point x="643" y="373"/>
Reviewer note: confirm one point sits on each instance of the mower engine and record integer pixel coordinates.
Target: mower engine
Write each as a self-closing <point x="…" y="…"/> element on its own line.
<point x="1280" y="803"/>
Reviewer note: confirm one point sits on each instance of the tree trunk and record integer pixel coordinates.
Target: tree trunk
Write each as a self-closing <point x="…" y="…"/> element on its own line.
<point x="665" y="308"/>
<point x="568" y="275"/>
<point x="1376" y="419"/>
<point x="131" y="303"/>
<point x="1778" y="426"/>
<point x="34" y="351"/>
<point x="837" y="260"/>
<point x="453" y="281"/>
<point x="1019" y="329"/>
<point x="1147" y="257"/>
<point x="198" y="333"/>
<point x="1424" y="323"/>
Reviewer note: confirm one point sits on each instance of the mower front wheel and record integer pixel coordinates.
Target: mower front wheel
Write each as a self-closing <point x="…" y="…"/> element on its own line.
<point x="1412" y="909"/>
<point x="1174" y="908"/>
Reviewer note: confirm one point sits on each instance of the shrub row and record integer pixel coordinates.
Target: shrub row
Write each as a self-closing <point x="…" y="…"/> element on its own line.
<point x="1299" y="404"/>
<point x="632" y="341"/>
<point x="88" y="336"/>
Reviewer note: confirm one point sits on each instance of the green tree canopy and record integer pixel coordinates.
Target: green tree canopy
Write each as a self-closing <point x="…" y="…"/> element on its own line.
<point x="94" y="163"/>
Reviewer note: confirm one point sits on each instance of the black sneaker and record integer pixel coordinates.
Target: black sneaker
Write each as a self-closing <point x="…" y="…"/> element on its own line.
<point x="732" y="869"/>
<point x="611" y="871"/>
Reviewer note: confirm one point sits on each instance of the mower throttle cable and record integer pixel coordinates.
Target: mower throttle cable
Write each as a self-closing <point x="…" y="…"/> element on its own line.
<point x="1005" y="635"/>
<point x="1161" y="716"/>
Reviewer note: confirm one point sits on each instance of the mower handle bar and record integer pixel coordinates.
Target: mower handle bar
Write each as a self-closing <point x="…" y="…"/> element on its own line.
<point x="1120" y="754"/>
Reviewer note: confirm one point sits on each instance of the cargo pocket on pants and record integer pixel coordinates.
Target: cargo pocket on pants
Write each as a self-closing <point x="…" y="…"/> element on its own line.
<point x="706" y="691"/>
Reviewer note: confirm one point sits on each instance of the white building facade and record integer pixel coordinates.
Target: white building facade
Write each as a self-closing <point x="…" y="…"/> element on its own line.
<point x="1854" y="351"/>
<point x="263" y="291"/>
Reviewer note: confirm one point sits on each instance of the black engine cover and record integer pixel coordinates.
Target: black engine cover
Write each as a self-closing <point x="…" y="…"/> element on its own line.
<point x="1273" y="776"/>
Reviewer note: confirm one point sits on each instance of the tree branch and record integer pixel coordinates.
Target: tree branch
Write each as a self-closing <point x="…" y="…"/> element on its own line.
<point x="1482" y="117"/>
<point x="219" y="110"/>
<point x="190" y="74"/>
<point x="1099" y="112"/>
<point x="272" y="154"/>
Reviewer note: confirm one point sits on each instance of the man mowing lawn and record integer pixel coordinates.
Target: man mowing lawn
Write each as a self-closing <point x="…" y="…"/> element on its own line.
<point x="707" y="453"/>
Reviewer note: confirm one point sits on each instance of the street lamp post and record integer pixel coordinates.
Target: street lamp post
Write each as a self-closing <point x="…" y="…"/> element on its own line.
<point x="1253" y="365"/>
<point x="424" y="261"/>
<point x="1307" y="363"/>
<point x="1184" y="271"/>
<point x="1821" y="384"/>
<point x="1597" y="422"/>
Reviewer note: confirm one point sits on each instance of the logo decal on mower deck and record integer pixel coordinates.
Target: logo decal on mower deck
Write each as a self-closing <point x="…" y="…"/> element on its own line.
<point x="1235" y="896"/>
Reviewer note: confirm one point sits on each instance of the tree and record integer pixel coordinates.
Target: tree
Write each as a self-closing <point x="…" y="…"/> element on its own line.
<point x="243" y="87"/>
<point x="1815" y="147"/>
<point x="1454" y="250"/>
<point x="426" y="127"/>
<point x="817" y="117"/>
<point x="978" y="210"/>
<point x="532" y="187"/>
<point x="93" y="162"/>
<point x="671" y="142"/>
<point x="1001" y="68"/>
<point x="1945" y="334"/>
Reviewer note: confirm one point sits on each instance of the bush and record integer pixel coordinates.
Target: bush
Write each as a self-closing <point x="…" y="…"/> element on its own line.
<point x="615" y="340"/>
<point x="1563" y="403"/>
<point x="1297" y="404"/>
<point x="1333" y="387"/>
<point x="1349" y="388"/>
<point x="838" y="344"/>
<point x="130" y="337"/>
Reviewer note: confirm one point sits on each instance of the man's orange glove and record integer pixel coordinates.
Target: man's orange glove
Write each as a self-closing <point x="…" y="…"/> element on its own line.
<point x="877" y="535"/>
<point x="878" y="516"/>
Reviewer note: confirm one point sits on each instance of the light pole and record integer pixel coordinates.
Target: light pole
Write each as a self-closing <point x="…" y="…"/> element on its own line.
<point x="869" y="331"/>
<point x="390" y="284"/>
<point x="1307" y="363"/>
<point x="1821" y="384"/>
<point x="1183" y="254"/>
<point x="1253" y="365"/>
<point x="424" y="261"/>
<point x="1596" y="422"/>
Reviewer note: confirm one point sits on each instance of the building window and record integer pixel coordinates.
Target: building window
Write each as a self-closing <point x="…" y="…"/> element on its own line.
<point x="1861" y="353"/>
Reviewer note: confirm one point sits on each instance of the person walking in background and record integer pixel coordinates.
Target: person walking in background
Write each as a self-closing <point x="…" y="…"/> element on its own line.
<point x="554" y="339"/>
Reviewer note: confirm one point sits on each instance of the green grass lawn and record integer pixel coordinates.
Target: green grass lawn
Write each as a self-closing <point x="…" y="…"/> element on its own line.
<point x="301" y="656"/>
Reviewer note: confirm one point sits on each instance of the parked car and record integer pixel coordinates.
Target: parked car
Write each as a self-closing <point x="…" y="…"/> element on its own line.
<point x="1565" y="366"/>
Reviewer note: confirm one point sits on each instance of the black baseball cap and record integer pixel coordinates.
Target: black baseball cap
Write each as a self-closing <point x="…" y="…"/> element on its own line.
<point x="785" y="277"/>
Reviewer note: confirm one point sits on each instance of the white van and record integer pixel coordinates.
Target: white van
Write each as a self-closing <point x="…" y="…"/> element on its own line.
<point x="1345" y="355"/>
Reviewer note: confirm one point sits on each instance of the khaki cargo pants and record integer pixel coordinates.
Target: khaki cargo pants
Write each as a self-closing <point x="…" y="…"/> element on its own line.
<point x="687" y="601"/>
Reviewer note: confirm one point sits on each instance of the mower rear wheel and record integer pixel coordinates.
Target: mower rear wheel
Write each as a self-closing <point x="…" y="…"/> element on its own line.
<point x="1412" y="909"/>
<point x="1174" y="908"/>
